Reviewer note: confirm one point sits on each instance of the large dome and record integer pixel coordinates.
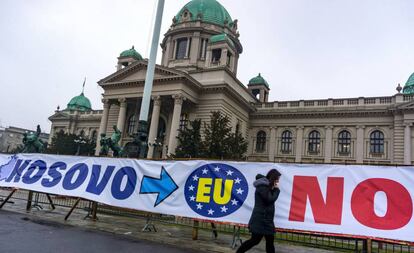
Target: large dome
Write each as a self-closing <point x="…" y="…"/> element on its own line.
<point x="79" y="103"/>
<point x="208" y="11"/>
<point x="409" y="85"/>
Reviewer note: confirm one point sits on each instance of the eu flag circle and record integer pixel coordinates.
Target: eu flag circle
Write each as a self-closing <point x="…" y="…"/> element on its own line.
<point x="215" y="190"/>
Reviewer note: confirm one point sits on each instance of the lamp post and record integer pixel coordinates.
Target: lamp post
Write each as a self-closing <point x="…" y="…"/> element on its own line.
<point x="141" y="137"/>
<point x="79" y="142"/>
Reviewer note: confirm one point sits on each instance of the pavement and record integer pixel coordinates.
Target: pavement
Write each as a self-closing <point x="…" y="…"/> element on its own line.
<point x="130" y="228"/>
<point x="20" y="234"/>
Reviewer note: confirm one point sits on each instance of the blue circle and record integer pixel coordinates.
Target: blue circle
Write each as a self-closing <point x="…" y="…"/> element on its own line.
<point x="200" y="197"/>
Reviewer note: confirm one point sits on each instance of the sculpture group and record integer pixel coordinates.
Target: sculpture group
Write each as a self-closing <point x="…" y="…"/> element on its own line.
<point x="32" y="142"/>
<point x="111" y="143"/>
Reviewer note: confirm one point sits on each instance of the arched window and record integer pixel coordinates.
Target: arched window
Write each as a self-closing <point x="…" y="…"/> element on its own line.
<point x="377" y="142"/>
<point x="260" y="141"/>
<point x="314" y="141"/>
<point x="131" y="124"/>
<point x="344" y="142"/>
<point x="286" y="141"/>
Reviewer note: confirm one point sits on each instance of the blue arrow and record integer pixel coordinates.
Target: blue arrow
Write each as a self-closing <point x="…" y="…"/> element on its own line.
<point x="163" y="186"/>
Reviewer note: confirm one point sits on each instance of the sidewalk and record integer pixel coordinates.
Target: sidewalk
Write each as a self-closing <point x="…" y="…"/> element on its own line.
<point x="131" y="228"/>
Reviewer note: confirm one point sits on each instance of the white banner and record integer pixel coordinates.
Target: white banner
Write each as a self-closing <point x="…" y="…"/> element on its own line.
<point x="372" y="201"/>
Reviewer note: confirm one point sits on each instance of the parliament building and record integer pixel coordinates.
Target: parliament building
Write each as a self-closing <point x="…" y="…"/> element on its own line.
<point x="198" y="75"/>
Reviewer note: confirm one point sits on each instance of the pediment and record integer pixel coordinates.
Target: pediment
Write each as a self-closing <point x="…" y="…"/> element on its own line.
<point x="137" y="72"/>
<point x="59" y="115"/>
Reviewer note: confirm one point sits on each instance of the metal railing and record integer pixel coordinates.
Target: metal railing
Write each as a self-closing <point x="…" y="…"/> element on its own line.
<point x="308" y="239"/>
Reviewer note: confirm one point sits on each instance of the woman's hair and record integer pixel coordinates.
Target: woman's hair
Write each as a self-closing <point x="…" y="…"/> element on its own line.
<point x="273" y="175"/>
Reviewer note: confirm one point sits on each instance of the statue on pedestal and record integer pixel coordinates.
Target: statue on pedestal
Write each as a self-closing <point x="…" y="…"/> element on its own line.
<point x="104" y="145"/>
<point x="114" y="144"/>
<point x="32" y="142"/>
<point x="111" y="143"/>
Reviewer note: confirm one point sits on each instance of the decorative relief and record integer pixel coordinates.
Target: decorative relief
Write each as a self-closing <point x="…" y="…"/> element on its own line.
<point x="157" y="100"/>
<point x="122" y="102"/>
<point x="105" y="103"/>
<point x="178" y="99"/>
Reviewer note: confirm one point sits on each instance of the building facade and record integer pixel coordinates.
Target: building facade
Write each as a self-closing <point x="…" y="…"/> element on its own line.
<point x="198" y="75"/>
<point x="12" y="137"/>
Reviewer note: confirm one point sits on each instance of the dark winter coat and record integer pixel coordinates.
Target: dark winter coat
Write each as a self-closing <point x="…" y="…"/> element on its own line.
<point x="261" y="221"/>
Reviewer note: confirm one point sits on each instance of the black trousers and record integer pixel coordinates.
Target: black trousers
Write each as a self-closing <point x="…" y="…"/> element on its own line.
<point x="256" y="238"/>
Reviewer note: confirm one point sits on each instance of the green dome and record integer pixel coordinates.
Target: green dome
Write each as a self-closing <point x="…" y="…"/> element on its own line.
<point x="80" y="103"/>
<point x="206" y="10"/>
<point x="131" y="53"/>
<point x="409" y="86"/>
<point x="258" y="80"/>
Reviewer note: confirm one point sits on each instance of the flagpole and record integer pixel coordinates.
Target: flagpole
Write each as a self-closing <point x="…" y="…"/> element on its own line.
<point x="142" y="136"/>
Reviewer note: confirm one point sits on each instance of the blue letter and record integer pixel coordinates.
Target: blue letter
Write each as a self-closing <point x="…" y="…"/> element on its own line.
<point x="83" y="173"/>
<point x="41" y="166"/>
<point x="18" y="170"/>
<point x="54" y="174"/>
<point x="130" y="184"/>
<point x="95" y="187"/>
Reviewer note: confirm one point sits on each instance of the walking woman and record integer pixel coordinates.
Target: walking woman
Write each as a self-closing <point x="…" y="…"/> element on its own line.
<point x="261" y="222"/>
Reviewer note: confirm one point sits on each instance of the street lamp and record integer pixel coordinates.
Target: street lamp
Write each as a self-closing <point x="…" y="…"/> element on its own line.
<point x="79" y="142"/>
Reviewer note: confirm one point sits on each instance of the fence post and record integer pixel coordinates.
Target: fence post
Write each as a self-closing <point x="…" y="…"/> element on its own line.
<point x="29" y="201"/>
<point x="94" y="210"/>
<point x="367" y="246"/>
<point x="195" y="229"/>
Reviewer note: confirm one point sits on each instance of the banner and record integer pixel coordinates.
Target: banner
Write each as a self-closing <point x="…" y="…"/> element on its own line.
<point x="372" y="201"/>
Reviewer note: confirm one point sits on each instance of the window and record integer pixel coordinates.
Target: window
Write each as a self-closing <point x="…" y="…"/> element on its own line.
<point x="260" y="141"/>
<point x="286" y="141"/>
<point x="216" y="55"/>
<point x="131" y="124"/>
<point x="181" y="52"/>
<point x="377" y="142"/>
<point x="183" y="121"/>
<point x="314" y="142"/>
<point x="344" y="142"/>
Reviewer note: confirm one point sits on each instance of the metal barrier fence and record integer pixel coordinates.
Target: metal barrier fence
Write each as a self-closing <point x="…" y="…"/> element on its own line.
<point x="308" y="239"/>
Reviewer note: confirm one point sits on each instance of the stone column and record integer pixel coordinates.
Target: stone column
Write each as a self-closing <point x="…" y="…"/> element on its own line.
<point x="360" y="144"/>
<point x="174" y="49"/>
<point x="328" y="144"/>
<point x="122" y="114"/>
<point x="272" y="144"/>
<point x="154" y="125"/>
<point x="103" y="125"/>
<point x="223" y="57"/>
<point x="262" y="96"/>
<point x="299" y="144"/>
<point x="187" y="52"/>
<point x="195" y="48"/>
<point x="175" y="124"/>
<point x="407" y="144"/>
<point x="203" y="50"/>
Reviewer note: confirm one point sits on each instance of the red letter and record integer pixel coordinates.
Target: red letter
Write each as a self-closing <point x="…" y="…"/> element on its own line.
<point x="399" y="204"/>
<point x="329" y="212"/>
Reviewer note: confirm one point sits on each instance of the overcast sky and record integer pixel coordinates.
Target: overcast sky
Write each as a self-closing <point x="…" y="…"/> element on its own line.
<point x="305" y="49"/>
